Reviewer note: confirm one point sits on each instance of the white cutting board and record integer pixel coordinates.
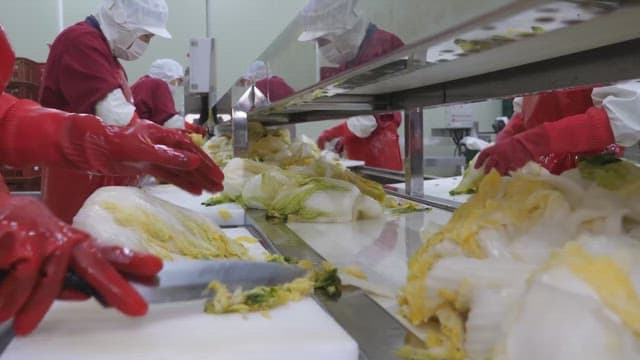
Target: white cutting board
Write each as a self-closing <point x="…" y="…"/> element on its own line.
<point x="172" y="331"/>
<point x="223" y="214"/>
<point x="81" y="331"/>
<point x="351" y="163"/>
<point x="440" y="188"/>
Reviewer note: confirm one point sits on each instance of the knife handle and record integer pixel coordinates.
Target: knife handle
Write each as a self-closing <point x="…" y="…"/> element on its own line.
<point x="74" y="282"/>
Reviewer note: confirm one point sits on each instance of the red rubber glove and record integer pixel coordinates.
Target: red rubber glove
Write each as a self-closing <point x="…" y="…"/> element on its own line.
<point x="338" y="131"/>
<point x="37" y="249"/>
<point x="36" y="135"/>
<point x="584" y="133"/>
<point x="514" y="127"/>
<point x="7" y="58"/>
<point x="322" y="140"/>
<point x="193" y="128"/>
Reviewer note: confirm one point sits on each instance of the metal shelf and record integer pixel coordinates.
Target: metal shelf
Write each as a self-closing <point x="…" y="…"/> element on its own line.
<point x="601" y="47"/>
<point x="580" y="54"/>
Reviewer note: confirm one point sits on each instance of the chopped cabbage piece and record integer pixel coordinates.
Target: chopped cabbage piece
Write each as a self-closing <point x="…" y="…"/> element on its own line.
<point x="323" y="279"/>
<point x="257" y="299"/>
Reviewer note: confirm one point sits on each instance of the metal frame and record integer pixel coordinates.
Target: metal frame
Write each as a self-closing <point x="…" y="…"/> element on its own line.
<point x="414" y="151"/>
<point x="605" y="64"/>
<point x="400" y="79"/>
<point x="354" y="305"/>
<point x="436" y="202"/>
<point x="240" y="129"/>
<point x="621" y="61"/>
<point x="380" y="174"/>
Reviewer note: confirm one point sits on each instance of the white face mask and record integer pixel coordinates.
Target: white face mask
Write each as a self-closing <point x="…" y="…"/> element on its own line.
<point x="345" y="47"/>
<point x="338" y="56"/>
<point x="173" y="89"/>
<point x="135" y="50"/>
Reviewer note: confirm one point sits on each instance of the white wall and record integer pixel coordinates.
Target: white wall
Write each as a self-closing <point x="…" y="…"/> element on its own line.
<point x="243" y="29"/>
<point x="30" y="25"/>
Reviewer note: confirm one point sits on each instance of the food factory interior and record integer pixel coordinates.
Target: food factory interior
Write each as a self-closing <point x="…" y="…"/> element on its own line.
<point x="319" y="179"/>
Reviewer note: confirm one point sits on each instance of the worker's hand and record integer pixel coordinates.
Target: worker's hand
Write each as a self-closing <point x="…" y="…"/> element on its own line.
<point x="36" y="135"/>
<point x="37" y="250"/>
<point x="193" y="128"/>
<point x="514" y="126"/>
<point x="167" y="154"/>
<point x="579" y="134"/>
<point x="322" y="140"/>
<point x="510" y="154"/>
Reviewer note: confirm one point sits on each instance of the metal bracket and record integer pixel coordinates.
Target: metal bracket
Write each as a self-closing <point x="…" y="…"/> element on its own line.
<point x="240" y="133"/>
<point x="414" y="151"/>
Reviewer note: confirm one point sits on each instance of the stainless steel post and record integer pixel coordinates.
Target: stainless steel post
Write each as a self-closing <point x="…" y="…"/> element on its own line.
<point x="413" y="150"/>
<point x="240" y="133"/>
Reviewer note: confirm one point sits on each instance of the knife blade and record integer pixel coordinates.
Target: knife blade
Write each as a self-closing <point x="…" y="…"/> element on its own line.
<point x="188" y="279"/>
<point x="185" y="280"/>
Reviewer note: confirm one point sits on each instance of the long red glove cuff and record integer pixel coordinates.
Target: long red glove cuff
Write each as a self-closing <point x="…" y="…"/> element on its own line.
<point x="32" y="134"/>
<point x="26" y="137"/>
<point x="584" y="133"/>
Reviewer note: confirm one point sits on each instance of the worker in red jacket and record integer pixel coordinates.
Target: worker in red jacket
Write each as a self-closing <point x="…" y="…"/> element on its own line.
<point x="83" y="75"/>
<point x="153" y="93"/>
<point x="555" y="128"/>
<point x="153" y="96"/>
<point x="36" y="248"/>
<point x="346" y="38"/>
<point x="273" y="87"/>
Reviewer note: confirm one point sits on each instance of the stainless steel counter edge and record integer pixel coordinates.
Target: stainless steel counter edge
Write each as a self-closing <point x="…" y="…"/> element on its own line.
<point x="378" y="334"/>
<point x="6" y="335"/>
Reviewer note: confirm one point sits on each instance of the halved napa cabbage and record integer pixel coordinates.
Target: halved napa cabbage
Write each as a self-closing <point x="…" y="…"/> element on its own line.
<point x="238" y="172"/>
<point x="529" y="259"/>
<point x="322" y="200"/>
<point x="129" y="217"/>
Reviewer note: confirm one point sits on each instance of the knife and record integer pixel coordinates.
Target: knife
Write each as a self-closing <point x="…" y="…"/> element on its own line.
<point x="184" y="280"/>
<point x="188" y="279"/>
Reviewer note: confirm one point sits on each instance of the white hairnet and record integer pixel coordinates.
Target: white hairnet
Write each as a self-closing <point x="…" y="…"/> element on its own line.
<point x="517" y="104"/>
<point x="166" y="69"/>
<point x="362" y="126"/>
<point x="139" y="16"/>
<point x="322" y="17"/>
<point x="257" y="71"/>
